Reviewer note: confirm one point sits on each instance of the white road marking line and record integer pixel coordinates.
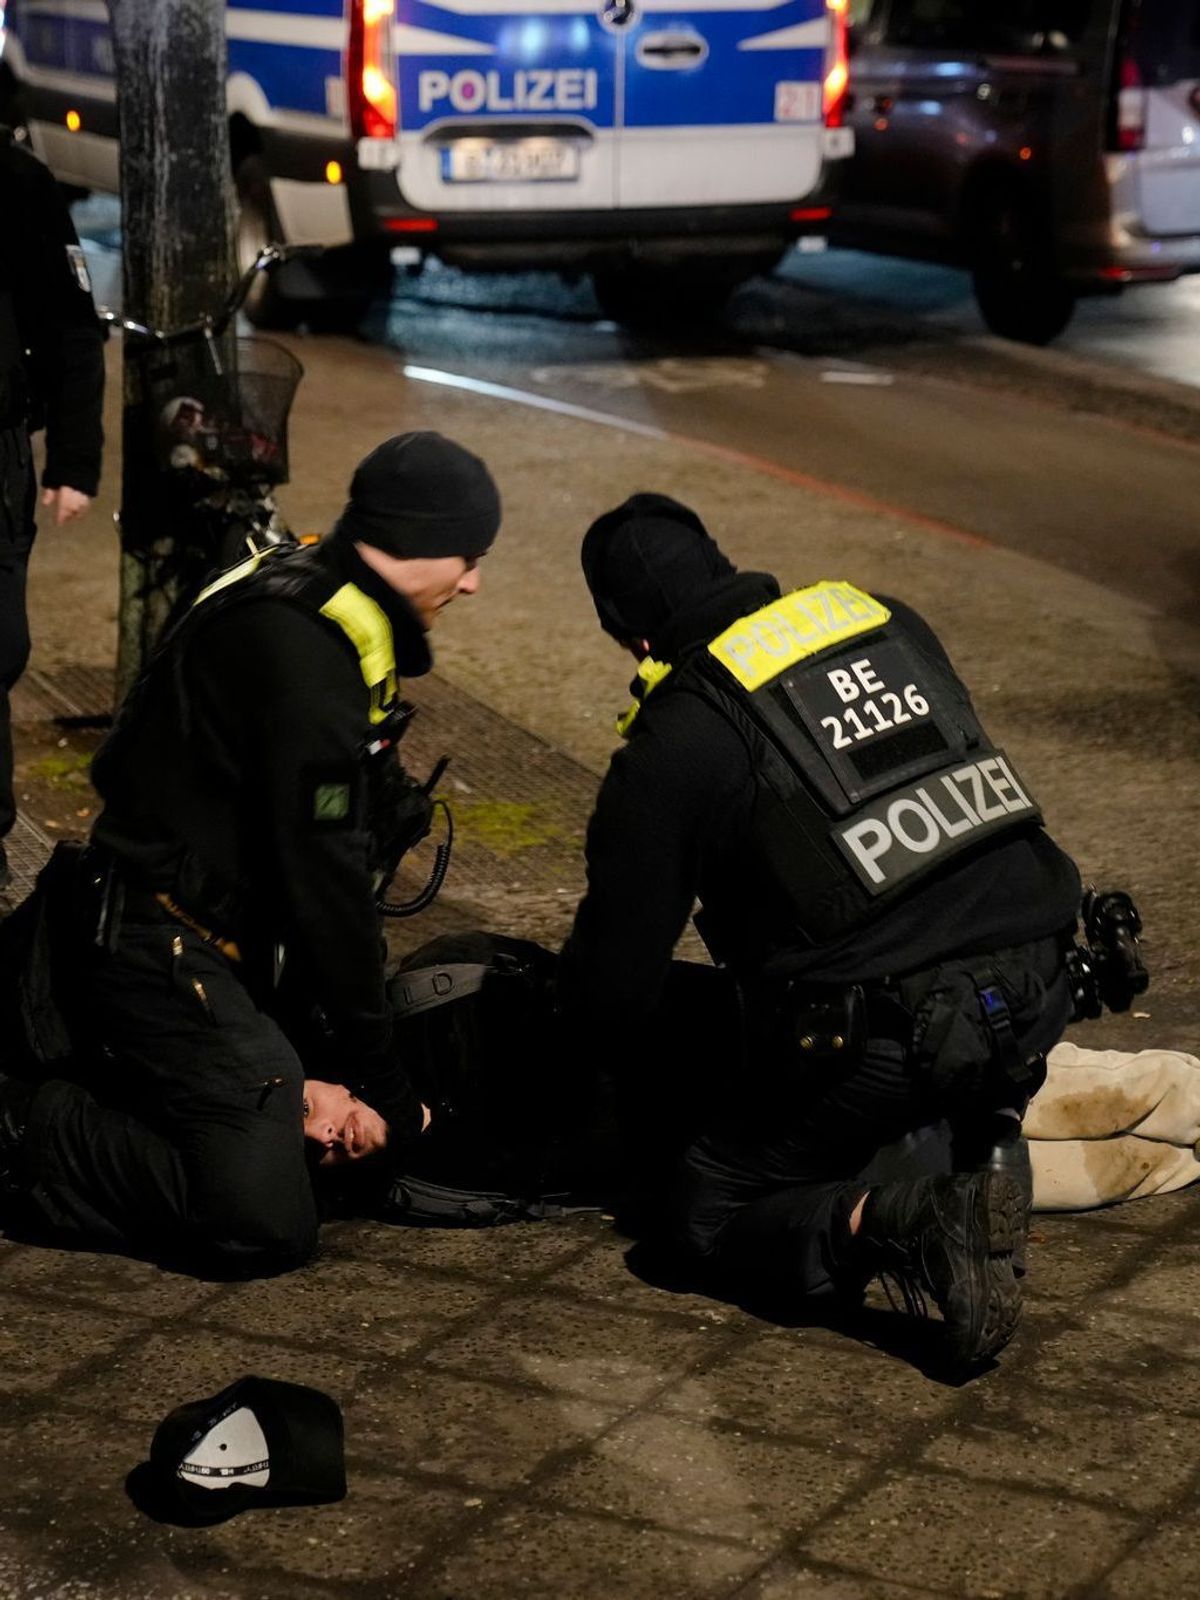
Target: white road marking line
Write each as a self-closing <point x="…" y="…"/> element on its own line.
<point x="843" y="375"/>
<point x="539" y="402"/>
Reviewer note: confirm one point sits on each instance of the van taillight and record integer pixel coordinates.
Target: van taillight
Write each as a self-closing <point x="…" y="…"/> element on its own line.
<point x="372" y="90"/>
<point x="1130" y="130"/>
<point x="837" y="74"/>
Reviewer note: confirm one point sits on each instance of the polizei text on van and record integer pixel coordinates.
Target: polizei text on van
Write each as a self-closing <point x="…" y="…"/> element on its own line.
<point x="532" y="89"/>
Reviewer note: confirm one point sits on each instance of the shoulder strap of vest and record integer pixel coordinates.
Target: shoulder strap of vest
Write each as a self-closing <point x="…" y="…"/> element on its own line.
<point x="290" y="574"/>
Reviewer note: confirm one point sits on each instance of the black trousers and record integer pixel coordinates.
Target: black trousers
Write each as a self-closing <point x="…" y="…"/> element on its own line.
<point x="183" y="1136"/>
<point x="767" y="1191"/>
<point x="17" y="530"/>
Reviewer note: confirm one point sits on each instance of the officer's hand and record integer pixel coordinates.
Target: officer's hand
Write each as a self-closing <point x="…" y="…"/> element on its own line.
<point x="426" y="1117"/>
<point x="67" y="503"/>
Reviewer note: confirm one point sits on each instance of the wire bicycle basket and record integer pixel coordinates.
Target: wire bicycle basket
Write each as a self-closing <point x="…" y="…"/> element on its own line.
<point x="220" y="407"/>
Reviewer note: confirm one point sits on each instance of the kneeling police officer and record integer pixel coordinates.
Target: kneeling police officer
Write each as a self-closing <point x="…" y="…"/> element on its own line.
<point x="875" y="875"/>
<point x="232" y="865"/>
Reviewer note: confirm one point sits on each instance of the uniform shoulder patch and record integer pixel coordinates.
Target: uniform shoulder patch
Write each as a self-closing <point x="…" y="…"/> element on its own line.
<point x="331" y="797"/>
<point x="331" y="802"/>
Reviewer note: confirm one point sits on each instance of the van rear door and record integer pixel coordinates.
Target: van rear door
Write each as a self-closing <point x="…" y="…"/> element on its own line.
<point x="506" y="105"/>
<point x="722" y="101"/>
<point x="1164" y="47"/>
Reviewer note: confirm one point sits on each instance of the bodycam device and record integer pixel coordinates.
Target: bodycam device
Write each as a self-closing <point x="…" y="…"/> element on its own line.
<point x="1107" y="968"/>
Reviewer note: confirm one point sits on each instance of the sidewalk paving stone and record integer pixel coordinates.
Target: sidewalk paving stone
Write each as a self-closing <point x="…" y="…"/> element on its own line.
<point x="378" y="1311"/>
<point x="966" y="1541"/>
<point x="529" y="1412"/>
<point x="1099" y="1448"/>
<point x="695" y="1477"/>
<point x="813" y="1385"/>
<point x="563" y="1347"/>
<point x="476" y="1435"/>
<point x="533" y="1554"/>
<point x="1160" y="1567"/>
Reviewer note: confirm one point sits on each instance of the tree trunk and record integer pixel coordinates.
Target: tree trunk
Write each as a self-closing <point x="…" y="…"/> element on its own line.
<point x="179" y="256"/>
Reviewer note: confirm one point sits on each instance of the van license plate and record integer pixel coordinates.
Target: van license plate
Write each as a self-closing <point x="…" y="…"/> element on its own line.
<point x="510" y="161"/>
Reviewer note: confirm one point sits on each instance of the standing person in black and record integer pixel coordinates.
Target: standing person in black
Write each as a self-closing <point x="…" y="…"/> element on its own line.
<point x="233" y="863"/>
<point x="51" y="376"/>
<point x="876" y="878"/>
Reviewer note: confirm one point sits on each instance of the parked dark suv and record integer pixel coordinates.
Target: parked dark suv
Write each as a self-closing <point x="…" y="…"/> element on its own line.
<point x="1051" y="146"/>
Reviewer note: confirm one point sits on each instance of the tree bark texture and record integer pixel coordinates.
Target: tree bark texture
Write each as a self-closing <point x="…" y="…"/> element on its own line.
<point x="179" y="255"/>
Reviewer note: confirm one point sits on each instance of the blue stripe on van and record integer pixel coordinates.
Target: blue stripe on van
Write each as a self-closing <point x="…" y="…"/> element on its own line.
<point x="299" y="8"/>
<point x="291" y="76"/>
<point x="68" y="44"/>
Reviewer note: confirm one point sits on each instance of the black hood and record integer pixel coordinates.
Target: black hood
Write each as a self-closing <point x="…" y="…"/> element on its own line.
<point x="645" y="561"/>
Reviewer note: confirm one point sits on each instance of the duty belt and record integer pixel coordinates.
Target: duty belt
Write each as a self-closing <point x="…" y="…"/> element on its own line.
<point x="141" y="905"/>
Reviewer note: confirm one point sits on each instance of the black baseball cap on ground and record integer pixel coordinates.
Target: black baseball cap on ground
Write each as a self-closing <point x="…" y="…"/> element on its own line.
<point x="420" y="494"/>
<point x="645" y="560"/>
<point x="259" y="1443"/>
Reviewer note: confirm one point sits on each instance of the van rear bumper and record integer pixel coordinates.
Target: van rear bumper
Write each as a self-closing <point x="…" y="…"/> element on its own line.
<point x="563" y="239"/>
<point x="1122" y="246"/>
<point x="583" y="239"/>
<point x="1119" y="253"/>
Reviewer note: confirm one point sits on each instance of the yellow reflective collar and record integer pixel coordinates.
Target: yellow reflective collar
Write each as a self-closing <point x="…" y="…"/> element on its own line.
<point x="759" y="647"/>
<point x="363" y="622"/>
<point x="650" y="674"/>
<point x="366" y="626"/>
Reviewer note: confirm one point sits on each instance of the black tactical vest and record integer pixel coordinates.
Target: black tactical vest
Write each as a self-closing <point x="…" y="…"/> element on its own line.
<point x="873" y="770"/>
<point x="128" y="760"/>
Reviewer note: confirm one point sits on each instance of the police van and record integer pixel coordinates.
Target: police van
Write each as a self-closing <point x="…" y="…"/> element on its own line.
<point x="670" y="147"/>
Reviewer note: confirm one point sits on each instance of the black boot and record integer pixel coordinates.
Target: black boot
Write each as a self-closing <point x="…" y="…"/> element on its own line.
<point x="953" y="1237"/>
<point x="996" y="1145"/>
<point x="15" y="1099"/>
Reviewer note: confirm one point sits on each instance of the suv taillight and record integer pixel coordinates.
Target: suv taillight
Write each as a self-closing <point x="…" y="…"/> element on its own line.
<point x="837" y="74"/>
<point x="1130" y="130"/>
<point x="371" y="88"/>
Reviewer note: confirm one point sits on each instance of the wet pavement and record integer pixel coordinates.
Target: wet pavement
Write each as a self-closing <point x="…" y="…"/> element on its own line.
<point x="533" y="1411"/>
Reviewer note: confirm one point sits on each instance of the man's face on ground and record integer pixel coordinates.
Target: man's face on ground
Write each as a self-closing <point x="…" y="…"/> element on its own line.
<point x="343" y="1126"/>
<point x="429" y="583"/>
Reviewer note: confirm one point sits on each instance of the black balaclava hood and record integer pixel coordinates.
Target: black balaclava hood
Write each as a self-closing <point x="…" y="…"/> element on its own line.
<point x="420" y="494"/>
<point x="646" y="560"/>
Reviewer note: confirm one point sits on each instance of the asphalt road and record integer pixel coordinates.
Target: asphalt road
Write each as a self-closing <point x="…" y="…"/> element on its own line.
<point x="869" y="379"/>
<point x="1016" y="466"/>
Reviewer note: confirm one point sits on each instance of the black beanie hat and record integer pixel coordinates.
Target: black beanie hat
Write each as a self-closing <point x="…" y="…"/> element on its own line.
<point x="420" y="494"/>
<point x="645" y="560"/>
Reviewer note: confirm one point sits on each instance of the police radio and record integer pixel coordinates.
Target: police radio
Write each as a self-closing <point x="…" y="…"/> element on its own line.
<point x="1107" y="968"/>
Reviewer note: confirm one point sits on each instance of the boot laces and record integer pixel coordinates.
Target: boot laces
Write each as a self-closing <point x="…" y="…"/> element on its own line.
<point x="904" y="1292"/>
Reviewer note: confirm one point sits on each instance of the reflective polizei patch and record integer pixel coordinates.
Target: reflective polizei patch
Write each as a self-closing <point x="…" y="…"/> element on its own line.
<point x="233" y="1451"/>
<point x="759" y="647"/>
<point x="910" y="830"/>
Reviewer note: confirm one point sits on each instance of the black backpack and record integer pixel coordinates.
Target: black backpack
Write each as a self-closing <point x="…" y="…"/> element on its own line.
<point x="511" y="1138"/>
